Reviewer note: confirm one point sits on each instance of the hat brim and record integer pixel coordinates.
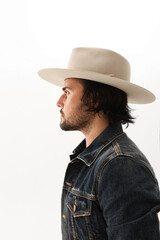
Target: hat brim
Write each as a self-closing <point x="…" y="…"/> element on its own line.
<point x="135" y="93"/>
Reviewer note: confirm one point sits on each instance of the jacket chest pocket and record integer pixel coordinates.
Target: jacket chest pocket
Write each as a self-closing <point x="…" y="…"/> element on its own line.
<point x="79" y="206"/>
<point x="81" y="222"/>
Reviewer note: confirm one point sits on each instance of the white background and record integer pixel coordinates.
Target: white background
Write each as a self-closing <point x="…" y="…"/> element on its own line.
<point x="35" y="34"/>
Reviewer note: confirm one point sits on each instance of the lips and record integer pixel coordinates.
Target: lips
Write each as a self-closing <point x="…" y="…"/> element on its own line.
<point x="61" y="112"/>
<point x="62" y="115"/>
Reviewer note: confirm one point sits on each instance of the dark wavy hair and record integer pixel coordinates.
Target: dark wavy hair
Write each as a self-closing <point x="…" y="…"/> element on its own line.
<point x="110" y="100"/>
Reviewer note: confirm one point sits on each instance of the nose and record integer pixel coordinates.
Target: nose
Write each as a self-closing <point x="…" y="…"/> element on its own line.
<point x="60" y="102"/>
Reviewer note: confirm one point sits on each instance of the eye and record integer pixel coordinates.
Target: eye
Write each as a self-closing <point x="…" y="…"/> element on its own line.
<point x="66" y="92"/>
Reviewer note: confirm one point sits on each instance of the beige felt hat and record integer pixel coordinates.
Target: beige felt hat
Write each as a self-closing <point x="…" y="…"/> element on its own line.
<point x="100" y="65"/>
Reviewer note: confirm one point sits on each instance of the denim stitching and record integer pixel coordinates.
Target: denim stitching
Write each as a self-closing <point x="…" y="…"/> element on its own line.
<point x="80" y="213"/>
<point x="89" y="228"/>
<point x="116" y="148"/>
<point x="73" y="228"/>
<point x="89" y="164"/>
<point x="80" y="194"/>
<point x="113" y="156"/>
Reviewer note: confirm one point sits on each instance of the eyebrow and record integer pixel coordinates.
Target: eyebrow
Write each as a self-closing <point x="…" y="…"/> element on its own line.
<point x="64" y="88"/>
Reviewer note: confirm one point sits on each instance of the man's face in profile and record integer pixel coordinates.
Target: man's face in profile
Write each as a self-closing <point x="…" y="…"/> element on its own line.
<point x="73" y="112"/>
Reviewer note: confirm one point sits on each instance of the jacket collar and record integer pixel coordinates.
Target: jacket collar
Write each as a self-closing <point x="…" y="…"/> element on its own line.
<point x="88" y="155"/>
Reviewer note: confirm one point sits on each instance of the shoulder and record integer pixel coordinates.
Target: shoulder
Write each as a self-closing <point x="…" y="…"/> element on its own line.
<point x="123" y="153"/>
<point x="125" y="164"/>
<point x="125" y="170"/>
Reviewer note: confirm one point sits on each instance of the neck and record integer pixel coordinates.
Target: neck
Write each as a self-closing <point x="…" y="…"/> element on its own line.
<point x="98" y="124"/>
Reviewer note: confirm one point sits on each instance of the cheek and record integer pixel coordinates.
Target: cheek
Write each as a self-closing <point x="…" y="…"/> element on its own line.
<point x="72" y="103"/>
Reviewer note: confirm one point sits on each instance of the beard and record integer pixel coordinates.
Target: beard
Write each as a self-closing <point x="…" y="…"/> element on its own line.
<point x="78" y="120"/>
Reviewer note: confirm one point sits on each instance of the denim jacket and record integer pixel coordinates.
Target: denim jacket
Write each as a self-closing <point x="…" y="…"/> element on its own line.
<point x="110" y="191"/>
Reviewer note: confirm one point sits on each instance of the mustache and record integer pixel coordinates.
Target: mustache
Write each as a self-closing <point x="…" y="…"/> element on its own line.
<point x="61" y="112"/>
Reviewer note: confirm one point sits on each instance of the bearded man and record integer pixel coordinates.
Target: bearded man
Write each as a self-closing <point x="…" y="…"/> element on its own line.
<point x="110" y="191"/>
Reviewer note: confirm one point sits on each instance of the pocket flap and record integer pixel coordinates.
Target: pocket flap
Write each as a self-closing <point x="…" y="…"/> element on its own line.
<point x="79" y="206"/>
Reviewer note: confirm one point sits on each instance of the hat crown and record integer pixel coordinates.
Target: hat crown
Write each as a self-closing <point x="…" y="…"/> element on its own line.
<point x="101" y="61"/>
<point x="99" y="65"/>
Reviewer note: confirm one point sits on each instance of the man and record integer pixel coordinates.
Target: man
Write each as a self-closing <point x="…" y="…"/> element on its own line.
<point x="110" y="190"/>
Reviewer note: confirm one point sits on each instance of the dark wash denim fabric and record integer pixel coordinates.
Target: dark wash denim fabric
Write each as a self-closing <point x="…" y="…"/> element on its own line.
<point x="110" y="191"/>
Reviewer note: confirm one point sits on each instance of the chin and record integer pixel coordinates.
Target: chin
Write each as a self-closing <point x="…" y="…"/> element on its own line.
<point x="66" y="127"/>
